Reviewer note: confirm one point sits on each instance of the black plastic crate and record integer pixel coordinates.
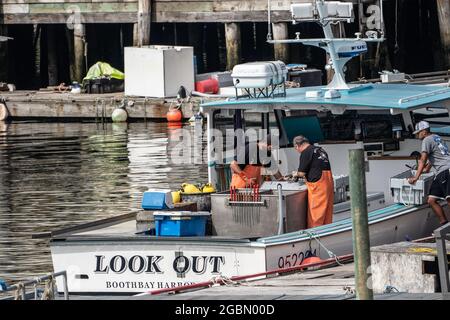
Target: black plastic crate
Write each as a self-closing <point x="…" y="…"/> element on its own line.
<point x="104" y="85"/>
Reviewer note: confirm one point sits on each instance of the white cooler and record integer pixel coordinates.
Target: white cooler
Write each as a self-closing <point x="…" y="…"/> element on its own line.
<point x="259" y="74"/>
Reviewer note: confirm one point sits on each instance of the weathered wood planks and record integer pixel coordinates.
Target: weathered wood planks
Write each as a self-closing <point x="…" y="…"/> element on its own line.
<point x="125" y="11"/>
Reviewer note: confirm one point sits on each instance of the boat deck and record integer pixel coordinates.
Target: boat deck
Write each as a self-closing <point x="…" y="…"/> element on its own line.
<point x="125" y="228"/>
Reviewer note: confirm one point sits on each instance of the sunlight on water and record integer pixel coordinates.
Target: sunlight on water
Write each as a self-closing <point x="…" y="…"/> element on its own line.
<point x="55" y="175"/>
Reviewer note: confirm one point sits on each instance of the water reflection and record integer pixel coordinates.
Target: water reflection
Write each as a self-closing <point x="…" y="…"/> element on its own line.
<point x="55" y="175"/>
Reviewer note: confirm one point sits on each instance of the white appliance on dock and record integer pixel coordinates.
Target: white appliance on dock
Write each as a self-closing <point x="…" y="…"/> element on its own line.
<point x="158" y="71"/>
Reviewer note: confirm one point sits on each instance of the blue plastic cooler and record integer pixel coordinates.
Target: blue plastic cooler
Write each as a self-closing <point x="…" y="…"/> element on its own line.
<point x="180" y="223"/>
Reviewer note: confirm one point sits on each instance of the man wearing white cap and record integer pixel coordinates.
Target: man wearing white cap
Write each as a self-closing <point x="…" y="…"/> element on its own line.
<point x="435" y="154"/>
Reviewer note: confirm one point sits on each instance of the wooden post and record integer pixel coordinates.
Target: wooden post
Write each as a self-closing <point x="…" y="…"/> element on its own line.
<point x="195" y="40"/>
<point x="443" y="9"/>
<point x="361" y="239"/>
<point x="79" y="38"/>
<point x="135" y="35"/>
<point x="280" y="32"/>
<point x="233" y="42"/>
<point x="3" y="54"/>
<point x="52" y="56"/>
<point x="70" y="49"/>
<point x="144" y="22"/>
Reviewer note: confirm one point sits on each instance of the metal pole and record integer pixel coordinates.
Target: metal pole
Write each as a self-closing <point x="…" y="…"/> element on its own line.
<point x="361" y="241"/>
<point x="280" y="209"/>
<point x="66" y="290"/>
<point x="440" y="235"/>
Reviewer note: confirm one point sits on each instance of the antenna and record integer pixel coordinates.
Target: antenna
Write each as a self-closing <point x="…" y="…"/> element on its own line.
<point x="341" y="50"/>
<point x="269" y="23"/>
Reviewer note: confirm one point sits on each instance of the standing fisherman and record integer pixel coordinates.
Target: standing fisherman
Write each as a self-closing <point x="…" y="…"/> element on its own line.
<point x="435" y="150"/>
<point x="314" y="166"/>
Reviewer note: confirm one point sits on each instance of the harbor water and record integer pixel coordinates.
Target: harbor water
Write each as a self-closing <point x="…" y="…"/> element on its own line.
<point x="56" y="175"/>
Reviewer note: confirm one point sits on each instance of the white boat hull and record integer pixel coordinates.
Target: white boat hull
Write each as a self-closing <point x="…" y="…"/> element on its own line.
<point x="96" y="265"/>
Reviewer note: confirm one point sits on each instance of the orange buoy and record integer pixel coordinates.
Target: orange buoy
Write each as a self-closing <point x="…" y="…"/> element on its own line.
<point x="174" y="115"/>
<point x="312" y="259"/>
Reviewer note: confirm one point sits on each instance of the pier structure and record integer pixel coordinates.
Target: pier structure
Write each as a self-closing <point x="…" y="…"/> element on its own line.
<point x="77" y="31"/>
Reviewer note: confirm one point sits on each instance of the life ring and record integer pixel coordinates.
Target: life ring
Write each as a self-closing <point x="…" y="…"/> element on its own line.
<point x="4" y="112"/>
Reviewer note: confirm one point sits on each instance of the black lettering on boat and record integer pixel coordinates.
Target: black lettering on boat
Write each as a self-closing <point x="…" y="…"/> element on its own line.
<point x="216" y="261"/>
<point x="181" y="265"/>
<point x="132" y="264"/>
<point x="121" y="261"/>
<point x="196" y="261"/>
<point x="152" y="264"/>
<point x="99" y="265"/>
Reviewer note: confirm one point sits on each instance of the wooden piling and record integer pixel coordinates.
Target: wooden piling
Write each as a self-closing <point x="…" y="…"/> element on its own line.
<point x="144" y="22"/>
<point x="361" y="239"/>
<point x="233" y="43"/>
<point x="280" y="32"/>
<point x="195" y="36"/>
<point x="135" y="35"/>
<point x="52" y="56"/>
<point x="79" y="38"/>
<point x="443" y="10"/>
<point x="3" y="54"/>
<point x="70" y="49"/>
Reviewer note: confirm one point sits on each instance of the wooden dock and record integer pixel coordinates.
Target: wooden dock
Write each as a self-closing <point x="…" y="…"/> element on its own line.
<point x="58" y="106"/>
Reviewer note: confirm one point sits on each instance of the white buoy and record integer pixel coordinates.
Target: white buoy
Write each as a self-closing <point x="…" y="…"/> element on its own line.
<point x="119" y="115"/>
<point x="4" y="113"/>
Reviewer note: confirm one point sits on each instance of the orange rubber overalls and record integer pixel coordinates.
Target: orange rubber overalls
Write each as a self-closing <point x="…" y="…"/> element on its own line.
<point x="320" y="200"/>
<point x="250" y="171"/>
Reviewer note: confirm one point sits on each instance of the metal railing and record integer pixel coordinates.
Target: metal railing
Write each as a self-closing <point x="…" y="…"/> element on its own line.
<point x="440" y="234"/>
<point x="22" y="286"/>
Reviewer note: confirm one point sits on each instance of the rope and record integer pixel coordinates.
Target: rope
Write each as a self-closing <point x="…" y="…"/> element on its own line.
<point x="36" y="283"/>
<point x="390" y="289"/>
<point x="49" y="291"/>
<point x="330" y="253"/>
<point x="18" y="292"/>
<point x="223" y="280"/>
<point x="176" y="107"/>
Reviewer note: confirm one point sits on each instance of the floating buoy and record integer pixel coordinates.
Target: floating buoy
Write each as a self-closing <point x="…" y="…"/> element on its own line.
<point x="190" y="188"/>
<point x="4" y="112"/>
<point x="311" y="259"/>
<point x="176" y="196"/>
<point x="119" y="115"/>
<point x="174" y="115"/>
<point x="208" y="188"/>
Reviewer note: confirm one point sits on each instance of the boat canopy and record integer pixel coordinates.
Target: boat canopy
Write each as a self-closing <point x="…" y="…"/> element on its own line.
<point x="393" y="97"/>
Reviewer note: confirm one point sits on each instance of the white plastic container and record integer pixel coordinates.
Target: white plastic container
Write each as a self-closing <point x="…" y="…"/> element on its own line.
<point x="158" y="71"/>
<point x="411" y="194"/>
<point x="259" y="74"/>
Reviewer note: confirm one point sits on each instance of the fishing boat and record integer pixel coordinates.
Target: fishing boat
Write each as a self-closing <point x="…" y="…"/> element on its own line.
<point x="266" y="234"/>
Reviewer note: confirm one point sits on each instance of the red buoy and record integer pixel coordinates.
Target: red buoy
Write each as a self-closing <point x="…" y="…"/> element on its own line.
<point x="174" y="115"/>
<point x="312" y="259"/>
<point x="207" y="86"/>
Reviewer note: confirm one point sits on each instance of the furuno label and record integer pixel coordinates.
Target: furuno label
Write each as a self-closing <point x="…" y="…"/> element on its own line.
<point x="137" y="264"/>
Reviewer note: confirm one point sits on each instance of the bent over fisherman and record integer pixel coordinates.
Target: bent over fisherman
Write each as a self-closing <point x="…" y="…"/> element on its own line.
<point x="315" y="167"/>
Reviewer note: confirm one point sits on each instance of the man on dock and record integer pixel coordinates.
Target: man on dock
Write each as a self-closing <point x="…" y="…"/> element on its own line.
<point x="314" y="166"/>
<point x="434" y="154"/>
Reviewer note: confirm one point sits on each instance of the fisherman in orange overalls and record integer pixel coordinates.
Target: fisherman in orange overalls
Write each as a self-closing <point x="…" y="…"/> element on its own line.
<point x="315" y="167"/>
<point x="248" y="167"/>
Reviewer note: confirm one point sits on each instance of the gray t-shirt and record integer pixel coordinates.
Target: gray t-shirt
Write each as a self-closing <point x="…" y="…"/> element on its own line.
<point x="438" y="153"/>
